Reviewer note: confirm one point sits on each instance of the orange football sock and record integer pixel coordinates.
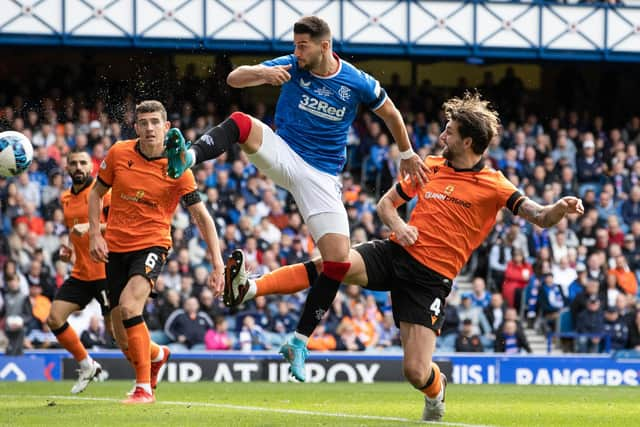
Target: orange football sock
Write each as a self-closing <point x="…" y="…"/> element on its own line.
<point x="126" y="355"/>
<point x="284" y="280"/>
<point x="139" y="348"/>
<point x="433" y="389"/>
<point x="68" y="338"/>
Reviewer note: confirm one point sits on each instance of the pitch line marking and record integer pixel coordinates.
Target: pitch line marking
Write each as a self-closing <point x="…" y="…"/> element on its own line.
<point x="255" y="409"/>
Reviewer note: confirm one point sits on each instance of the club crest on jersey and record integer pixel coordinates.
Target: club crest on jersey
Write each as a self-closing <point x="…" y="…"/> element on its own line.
<point x="303" y="83"/>
<point x="448" y="190"/>
<point x="103" y="164"/>
<point x="344" y="93"/>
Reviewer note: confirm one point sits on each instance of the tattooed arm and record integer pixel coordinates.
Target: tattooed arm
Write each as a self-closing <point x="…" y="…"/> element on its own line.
<point x="548" y="216"/>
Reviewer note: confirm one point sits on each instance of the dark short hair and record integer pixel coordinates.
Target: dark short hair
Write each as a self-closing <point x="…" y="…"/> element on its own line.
<point x="151" y="106"/>
<point x="77" y="151"/>
<point x="316" y="27"/>
<point x="476" y="119"/>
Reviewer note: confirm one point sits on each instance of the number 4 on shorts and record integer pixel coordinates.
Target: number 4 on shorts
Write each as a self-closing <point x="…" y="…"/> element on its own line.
<point x="435" y="309"/>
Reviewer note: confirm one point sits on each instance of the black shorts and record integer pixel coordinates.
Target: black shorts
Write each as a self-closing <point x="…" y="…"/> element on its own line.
<point x="81" y="292"/>
<point x="417" y="293"/>
<point x="122" y="266"/>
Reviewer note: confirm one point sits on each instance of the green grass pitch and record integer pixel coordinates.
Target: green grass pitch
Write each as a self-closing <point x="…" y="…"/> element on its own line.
<point x="340" y="404"/>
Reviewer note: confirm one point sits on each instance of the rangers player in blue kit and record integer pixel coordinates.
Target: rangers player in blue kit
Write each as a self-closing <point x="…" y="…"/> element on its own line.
<point x="319" y="100"/>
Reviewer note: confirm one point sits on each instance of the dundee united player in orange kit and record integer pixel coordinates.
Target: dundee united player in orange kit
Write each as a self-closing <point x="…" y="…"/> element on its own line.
<point x="87" y="279"/>
<point x="455" y="211"/>
<point x="137" y="236"/>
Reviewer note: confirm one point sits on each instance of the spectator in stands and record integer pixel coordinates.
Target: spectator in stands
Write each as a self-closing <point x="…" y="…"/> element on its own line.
<point x="218" y="338"/>
<point x="509" y="340"/>
<point x="467" y="341"/>
<point x="479" y="296"/>
<point x="347" y="339"/>
<point x="365" y="329"/>
<point x="17" y="314"/>
<point x="186" y="327"/>
<point x="499" y="257"/>
<point x="616" y="328"/>
<point x="590" y="321"/>
<point x="95" y="336"/>
<point x="625" y="277"/>
<point x="495" y="312"/>
<point x="564" y="274"/>
<point x="283" y="322"/>
<point x="480" y="324"/>
<point x="252" y="336"/>
<point x="40" y="306"/>
<point x="516" y="278"/>
<point x="551" y="301"/>
<point x="388" y="332"/>
<point x="41" y="338"/>
<point x="588" y="166"/>
<point x="321" y="340"/>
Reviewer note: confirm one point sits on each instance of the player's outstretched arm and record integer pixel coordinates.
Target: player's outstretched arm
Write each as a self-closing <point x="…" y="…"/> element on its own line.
<point x="550" y="215"/>
<point x="410" y="164"/>
<point x="208" y="231"/>
<point x="97" y="245"/>
<point x="388" y="211"/>
<point x="256" y="75"/>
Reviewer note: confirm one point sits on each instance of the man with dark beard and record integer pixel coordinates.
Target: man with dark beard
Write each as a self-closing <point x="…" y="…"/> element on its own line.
<point x="88" y="279"/>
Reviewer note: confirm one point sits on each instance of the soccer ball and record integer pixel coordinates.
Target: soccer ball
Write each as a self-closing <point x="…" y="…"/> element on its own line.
<point x="16" y="153"/>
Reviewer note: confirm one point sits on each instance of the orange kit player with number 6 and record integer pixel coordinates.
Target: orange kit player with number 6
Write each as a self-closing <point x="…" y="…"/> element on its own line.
<point x="138" y="234"/>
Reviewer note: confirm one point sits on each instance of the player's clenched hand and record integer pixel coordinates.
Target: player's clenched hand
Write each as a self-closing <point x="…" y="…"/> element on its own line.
<point x="216" y="281"/>
<point x="98" y="250"/>
<point x="65" y="253"/>
<point x="406" y="234"/>
<point x="416" y="169"/>
<point x="573" y="205"/>
<point x="277" y="75"/>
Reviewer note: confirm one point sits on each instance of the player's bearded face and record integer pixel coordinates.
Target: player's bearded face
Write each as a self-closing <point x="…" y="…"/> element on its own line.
<point x="450" y="141"/>
<point x="79" y="167"/>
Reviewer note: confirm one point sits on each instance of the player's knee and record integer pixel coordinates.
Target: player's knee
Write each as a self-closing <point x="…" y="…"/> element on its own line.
<point x="335" y="270"/>
<point x="244" y="123"/>
<point x="55" y="320"/>
<point x="416" y="373"/>
<point x="317" y="262"/>
<point x="129" y="309"/>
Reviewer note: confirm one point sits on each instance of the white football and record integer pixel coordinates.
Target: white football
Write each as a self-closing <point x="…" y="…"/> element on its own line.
<point x="16" y="153"/>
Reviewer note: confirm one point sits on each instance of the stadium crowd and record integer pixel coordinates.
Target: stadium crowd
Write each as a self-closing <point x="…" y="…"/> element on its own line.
<point x="580" y="276"/>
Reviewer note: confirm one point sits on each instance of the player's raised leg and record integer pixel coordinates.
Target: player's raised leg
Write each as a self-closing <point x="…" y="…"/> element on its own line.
<point x="285" y="280"/>
<point x="68" y="338"/>
<point x="237" y="128"/>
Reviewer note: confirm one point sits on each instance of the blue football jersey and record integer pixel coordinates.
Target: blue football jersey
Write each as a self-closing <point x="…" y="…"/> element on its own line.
<point x="314" y="113"/>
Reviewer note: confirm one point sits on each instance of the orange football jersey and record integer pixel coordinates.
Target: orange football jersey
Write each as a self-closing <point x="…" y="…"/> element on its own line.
<point x="143" y="198"/>
<point x="455" y="211"/>
<point x="76" y="211"/>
